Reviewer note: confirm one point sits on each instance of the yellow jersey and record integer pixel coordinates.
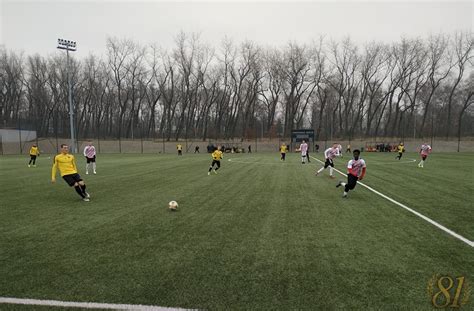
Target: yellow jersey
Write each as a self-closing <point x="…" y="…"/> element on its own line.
<point x="65" y="163"/>
<point x="217" y="155"/>
<point x="179" y="147"/>
<point x="283" y="149"/>
<point x="401" y="148"/>
<point x="34" y="151"/>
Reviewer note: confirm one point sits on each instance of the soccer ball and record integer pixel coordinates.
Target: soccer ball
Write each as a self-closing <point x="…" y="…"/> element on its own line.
<point x="173" y="205"/>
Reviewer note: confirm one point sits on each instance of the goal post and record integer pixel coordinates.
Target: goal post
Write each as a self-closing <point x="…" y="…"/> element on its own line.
<point x="297" y="136"/>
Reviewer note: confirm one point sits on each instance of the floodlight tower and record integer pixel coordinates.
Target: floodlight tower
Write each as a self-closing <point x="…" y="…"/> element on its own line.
<point x="69" y="45"/>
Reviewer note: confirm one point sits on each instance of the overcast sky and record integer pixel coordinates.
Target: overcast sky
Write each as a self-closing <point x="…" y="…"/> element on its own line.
<point x="34" y="26"/>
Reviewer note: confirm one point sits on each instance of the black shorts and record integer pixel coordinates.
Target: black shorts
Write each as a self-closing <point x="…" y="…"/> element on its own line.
<point x="33" y="157"/>
<point x="89" y="160"/>
<point x="216" y="162"/>
<point x="328" y="162"/>
<point x="351" y="182"/>
<point x="71" y="179"/>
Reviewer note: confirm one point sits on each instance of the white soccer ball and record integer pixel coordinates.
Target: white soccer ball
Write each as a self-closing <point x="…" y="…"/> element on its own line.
<point x="173" y="205"/>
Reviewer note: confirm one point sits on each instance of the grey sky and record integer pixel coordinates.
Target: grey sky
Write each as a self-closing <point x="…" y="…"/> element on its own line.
<point x="34" y="26"/>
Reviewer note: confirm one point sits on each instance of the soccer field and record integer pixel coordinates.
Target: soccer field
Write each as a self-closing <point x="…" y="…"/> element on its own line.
<point x="261" y="234"/>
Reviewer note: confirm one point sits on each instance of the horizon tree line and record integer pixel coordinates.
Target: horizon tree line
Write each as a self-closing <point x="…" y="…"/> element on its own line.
<point x="416" y="87"/>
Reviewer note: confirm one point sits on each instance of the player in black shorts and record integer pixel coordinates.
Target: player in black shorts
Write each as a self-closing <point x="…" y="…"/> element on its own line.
<point x="67" y="167"/>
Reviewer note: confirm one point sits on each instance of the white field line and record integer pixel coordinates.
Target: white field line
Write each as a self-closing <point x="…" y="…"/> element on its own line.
<point x="233" y="160"/>
<point x="238" y="160"/>
<point x="396" y="162"/>
<point x="431" y="221"/>
<point x="85" y="305"/>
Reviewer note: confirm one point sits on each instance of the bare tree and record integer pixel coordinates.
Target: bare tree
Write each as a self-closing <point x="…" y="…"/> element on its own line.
<point x="11" y="86"/>
<point x="463" y="47"/>
<point x="272" y="87"/>
<point x="440" y="65"/>
<point x="299" y="85"/>
<point x="468" y="101"/>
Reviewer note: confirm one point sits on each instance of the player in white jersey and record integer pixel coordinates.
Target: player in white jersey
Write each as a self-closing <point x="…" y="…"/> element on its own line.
<point x="425" y="150"/>
<point x="355" y="171"/>
<point x="89" y="153"/>
<point x="304" y="151"/>
<point x="329" y="155"/>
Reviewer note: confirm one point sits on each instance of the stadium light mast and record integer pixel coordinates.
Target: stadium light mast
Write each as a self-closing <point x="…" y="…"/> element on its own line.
<point x="69" y="45"/>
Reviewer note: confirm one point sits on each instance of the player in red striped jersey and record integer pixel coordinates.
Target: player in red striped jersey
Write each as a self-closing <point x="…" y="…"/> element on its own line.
<point x="89" y="153"/>
<point x="425" y="150"/>
<point x="329" y="155"/>
<point x="355" y="171"/>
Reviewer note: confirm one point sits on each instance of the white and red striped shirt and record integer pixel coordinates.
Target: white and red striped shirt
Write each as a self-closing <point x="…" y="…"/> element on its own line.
<point x="331" y="153"/>
<point x="304" y="148"/>
<point x="425" y="149"/>
<point x="356" y="167"/>
<point x="89" y="151"/>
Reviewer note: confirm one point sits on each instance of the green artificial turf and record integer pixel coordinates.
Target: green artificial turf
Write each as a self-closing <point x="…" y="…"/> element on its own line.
<point x="261" y="234"/>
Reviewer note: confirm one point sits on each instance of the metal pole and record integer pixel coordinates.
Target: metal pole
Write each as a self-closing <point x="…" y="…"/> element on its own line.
<point x="163" y="139"/>
<point x="432" y="127"/>
<point x="19" y="134"/>
<point x="256" y="138"/>
<point x="71" y="111"/>
<point x="414" y="125"/>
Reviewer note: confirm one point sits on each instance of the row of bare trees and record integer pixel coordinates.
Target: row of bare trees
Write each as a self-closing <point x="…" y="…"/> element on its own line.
<point x="414" y="87"/>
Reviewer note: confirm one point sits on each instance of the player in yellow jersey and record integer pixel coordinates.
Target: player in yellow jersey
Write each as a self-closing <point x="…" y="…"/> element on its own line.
<point x="283" y="151"/>
<point x="401" y="150"/>
<point x="216" y="160"/>
<point x="34" y="152"/>
<point x="180" y="149"/>
<point x="66" y="164"/>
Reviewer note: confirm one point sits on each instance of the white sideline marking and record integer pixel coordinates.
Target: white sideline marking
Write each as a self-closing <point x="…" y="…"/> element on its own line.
<point x="397" y="162"/>
<point x="86" y="305"/>
<point x="233" y="160"/>
<point x="431" y="221"/>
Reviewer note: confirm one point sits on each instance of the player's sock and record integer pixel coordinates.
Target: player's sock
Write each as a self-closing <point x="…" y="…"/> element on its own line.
<point x="330" y="170"/>
<point x="93" y="167"/>
<point x="87" y="168"/>
<point x="79" y="191"/>
<point x="83" y="187"/>
<point x="344" y="194"/>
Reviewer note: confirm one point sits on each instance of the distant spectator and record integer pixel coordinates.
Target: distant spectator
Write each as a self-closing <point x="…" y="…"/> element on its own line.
<point x="196" y="149"/>
<point x="250" y="148"/>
